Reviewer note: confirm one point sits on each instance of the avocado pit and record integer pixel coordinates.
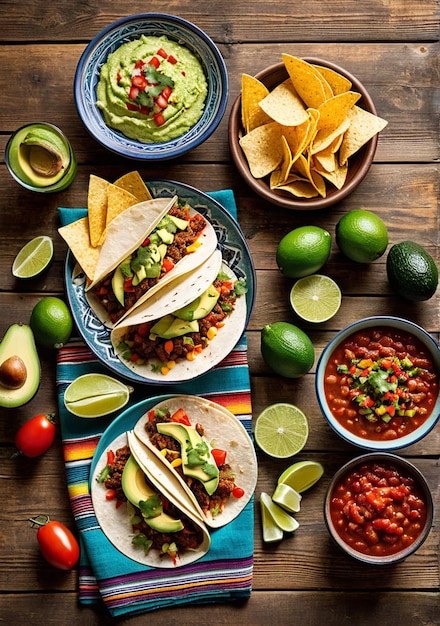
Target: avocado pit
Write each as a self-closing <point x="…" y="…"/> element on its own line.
<point x="13" y="373"/>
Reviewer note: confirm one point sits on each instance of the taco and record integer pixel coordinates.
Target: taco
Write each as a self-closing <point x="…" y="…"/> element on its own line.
<point x="185" y="329"/>
<point x="141" y="520"/>
<point x="205" y="449"/>
<point x="178" y="241"/>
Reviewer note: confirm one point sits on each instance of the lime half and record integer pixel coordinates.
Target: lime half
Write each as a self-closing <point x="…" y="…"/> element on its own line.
<point x="302" y="475"/>
<point x="33" y="258"/>
<point x="286" y="497"/>
<point x="281" y="430"/>
<point x="315" y="298"/>
<point x="95" y="395"/>
<point x="271" y="531"/>
<point x="280" y="517"/>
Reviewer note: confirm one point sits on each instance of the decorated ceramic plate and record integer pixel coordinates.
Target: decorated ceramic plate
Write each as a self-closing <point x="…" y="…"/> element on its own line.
<point x="235" y="254"/>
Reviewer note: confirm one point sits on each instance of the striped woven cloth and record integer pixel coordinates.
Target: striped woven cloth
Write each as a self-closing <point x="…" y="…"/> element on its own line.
<point x="107" y="576"/>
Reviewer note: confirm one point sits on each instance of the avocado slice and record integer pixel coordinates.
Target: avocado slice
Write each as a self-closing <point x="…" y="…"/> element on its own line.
<point x="169" y="327"/>
<point x="118" y="281"/>
<point x="191" y="442"/>
<point x="136" y="490"/>
<point x="19" y="341"/>
<point x="200" y="307"/>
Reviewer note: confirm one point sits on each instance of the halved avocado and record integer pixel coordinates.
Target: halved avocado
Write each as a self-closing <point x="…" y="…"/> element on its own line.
<point x="19" y="341"/>
<point x="189" y="439"/>
<point x="137" y="490"/>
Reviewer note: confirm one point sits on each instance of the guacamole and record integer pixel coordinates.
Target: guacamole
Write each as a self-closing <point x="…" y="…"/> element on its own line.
<point x="152" y="89"/>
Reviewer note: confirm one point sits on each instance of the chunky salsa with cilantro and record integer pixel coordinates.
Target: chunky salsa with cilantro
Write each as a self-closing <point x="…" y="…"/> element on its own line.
<point x="381" y="384"/>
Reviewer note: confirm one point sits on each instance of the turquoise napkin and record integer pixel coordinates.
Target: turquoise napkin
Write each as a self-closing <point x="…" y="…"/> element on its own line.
<point x="106" y="575"/>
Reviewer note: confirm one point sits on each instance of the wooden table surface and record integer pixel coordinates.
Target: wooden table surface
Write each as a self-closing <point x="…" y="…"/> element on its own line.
<point x="393" y="48"/>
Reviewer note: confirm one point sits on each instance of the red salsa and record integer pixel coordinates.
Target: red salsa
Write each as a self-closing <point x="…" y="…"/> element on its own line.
<point x="377" y="509"/>
<point x="381" y="383"/>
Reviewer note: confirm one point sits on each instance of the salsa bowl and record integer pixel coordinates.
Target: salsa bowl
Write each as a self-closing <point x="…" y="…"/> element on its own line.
<point x="189" y="49"/>
<point x="377" y="383"/>
<point x="378" y="508"/>
<point x="358" y="165"/>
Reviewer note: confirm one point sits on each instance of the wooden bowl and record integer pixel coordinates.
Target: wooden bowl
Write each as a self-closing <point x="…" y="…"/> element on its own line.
<point x="359" y="163"/>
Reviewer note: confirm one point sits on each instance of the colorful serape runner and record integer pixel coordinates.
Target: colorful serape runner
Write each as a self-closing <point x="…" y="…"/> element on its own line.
<point x="125" y="586"/>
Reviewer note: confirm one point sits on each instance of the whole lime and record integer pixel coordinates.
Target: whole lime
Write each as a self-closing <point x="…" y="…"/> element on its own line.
<point x="362" y="236"/>
<point x="51" y="322"/>
<point x="287" y="350"/>
<point x="411" y="271"/>
<point x="303" y="251"/>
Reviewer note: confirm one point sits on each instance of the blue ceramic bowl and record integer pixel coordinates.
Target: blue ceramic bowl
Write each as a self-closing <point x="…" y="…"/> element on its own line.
<point x="130" y="28"/>
<point x="406" y="326"/>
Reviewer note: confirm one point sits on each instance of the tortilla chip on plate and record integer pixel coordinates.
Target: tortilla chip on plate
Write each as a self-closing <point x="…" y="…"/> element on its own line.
<point x="77" y="236"/>
<point x="133" y="183"/>
<point x="97" y="207"/>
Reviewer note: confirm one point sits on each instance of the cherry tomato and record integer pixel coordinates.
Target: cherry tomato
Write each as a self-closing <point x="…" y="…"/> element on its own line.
<point x="57" y="543"/>
<point x="36" y="436"/>
<point x="238" y="492"/>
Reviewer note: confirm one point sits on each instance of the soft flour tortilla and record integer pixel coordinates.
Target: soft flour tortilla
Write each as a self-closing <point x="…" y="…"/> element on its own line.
<point x="208" y="243"/>
<point x="222" y="430"/>
<point x="126" y="232"/>
<point x="173" y="297"/>
<point x="116" y="526"/>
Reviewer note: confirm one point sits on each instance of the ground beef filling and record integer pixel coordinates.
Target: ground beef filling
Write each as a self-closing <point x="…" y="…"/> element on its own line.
<point x="190" y="538"/>
<point x="142" y="347"/>
<point x="175" y="252"/>
<point x="208" y="503"/>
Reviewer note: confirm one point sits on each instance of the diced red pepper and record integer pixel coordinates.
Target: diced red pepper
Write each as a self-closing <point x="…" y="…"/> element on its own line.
<point x="154" y="61"/>
<point x="151" y="415"/>
<point x="110" y="457"/>
<point x="167" y="264"/>
<point x="128" y="285"/>
<point x="110" y="494"/>
<point x="161" y="102"/>
<point x="146" y="242"/>
<point x="131" y="106"/>
<point x="140" y="82"/>
<point x="161" y="52"/>
<point x="133" y="93"/>
<point x="159" y="119"/>
<point x="219" y="456"/>
<point x="166" y="92"/>
<point x="181" y="417"/>
<point x="172" y="59"/>
<point x="139" y="64"/>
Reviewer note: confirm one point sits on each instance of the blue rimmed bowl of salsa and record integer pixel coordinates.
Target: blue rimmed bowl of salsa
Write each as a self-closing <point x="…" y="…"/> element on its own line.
<point x="377" y="383"/>
<point x="378" y="508"/>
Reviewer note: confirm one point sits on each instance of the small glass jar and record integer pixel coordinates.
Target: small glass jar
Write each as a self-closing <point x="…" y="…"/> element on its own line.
<point x="39" y="156"/>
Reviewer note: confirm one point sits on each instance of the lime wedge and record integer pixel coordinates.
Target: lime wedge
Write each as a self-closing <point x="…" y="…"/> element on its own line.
<point x="281" y="430"/>
<point x="280" y="517"/>
<point x="286" y="497"/>
<point x="271" y="531"/>
<point x="33" y="258"/>
<point x="302" y="475"/>
<point x="95" y="395"/>
<point x="315" y="298"/>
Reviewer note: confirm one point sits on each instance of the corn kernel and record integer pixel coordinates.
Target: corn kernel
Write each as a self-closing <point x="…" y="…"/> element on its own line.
<point x="212" y="332"/>
<point x="171" y="364"/>
<point x="164" y="452"/>
<point x="164" y="370"/>
<point x="190" y="356"/>
<point x="194" y="246"/>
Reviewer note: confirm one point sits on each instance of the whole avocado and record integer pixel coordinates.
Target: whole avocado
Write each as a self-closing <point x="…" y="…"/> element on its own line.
<point x="411" y="271"/>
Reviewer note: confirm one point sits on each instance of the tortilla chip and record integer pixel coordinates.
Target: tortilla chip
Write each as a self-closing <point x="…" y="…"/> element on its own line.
<point x="97" y="207"/>
<point x="309" y="84"/>
<point x="252" y="92"/>
<point x="77" y="236"/>
<point x="338" y="83"/>
<point x="338" y="176"/>
<point x="326" y="136"/>
<point x="263" y="149"/>
<point x="300" y="189"/>
<point x="363" y="126"/>
<point x="118" y="200"/>
<point x="133" y="183"/>
<point x="332" y="112"/>
<point x="284" y="105"/>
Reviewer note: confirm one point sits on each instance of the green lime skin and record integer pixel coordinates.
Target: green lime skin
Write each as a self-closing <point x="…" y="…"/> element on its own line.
<point x="361" y="236"/>
<point x="303" y="251"/>
<point x="287" y="350"/>
<point x="411" y="271"/>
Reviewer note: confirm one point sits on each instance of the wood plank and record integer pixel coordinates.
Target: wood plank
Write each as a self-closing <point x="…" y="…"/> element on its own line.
<point x="397" y="76"/>
<point x="245" y="21"/>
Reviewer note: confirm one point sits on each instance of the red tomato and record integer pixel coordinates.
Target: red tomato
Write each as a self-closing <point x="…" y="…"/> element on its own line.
<point x="58" y="545"/>
<point x="219" y="456"/>
<point x="238" y="492"/>
<point x="36" y="436"/>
